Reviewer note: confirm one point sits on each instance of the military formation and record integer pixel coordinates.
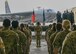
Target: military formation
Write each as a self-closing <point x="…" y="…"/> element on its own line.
<point x="16" y="39"/>
<point x="62" y="38"/>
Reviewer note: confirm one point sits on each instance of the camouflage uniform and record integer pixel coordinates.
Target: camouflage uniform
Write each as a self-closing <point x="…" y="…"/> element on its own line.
<point x="2" y="47"/>
<point x="52" y="37"/>
<point x="69" y="44"/>
<point x="38" y="31"/>
<point x="30" y="37"/>
<point x="10" y="39"/>
<point x="28" y="34"/>
<point x="22" y="41"/>
<point x="49" y="33"/>
<point x="46" y="36"/>
<point x="46" y="33"/>
<point x="59" y="39"/>
<point x="51" y="41"/>
<point x="57" y="43"/>
<point x="49" y="28"/>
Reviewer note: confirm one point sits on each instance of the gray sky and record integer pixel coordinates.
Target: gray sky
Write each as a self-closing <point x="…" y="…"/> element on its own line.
<point x="26" y="5"/>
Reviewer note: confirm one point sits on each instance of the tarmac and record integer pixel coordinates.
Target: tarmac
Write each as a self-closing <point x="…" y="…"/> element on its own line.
<point x="41" y="50"/>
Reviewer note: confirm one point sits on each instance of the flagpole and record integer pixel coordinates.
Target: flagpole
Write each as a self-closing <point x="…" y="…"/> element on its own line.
<point x="43" y="16"/>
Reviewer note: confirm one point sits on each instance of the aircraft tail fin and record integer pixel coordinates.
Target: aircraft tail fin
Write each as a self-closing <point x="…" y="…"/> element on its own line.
<point x="7" y="8"/>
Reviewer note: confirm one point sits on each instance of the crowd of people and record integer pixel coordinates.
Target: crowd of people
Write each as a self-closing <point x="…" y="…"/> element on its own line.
<point x="61" y="38"/>
<point x="14" y="39"/>
<point x="65" y="15"/>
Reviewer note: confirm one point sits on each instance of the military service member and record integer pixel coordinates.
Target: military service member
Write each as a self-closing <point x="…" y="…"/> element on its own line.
<point x="22" y="37"/>
<point x="10" y="38"/>
<point x="27" y="33"/>
<point x="71" y="16"/>
<point x="57" y="43"/>
<point x="49" y="28"/>
<point x="51" y="31"/>
<point x="30" y="34"/>
<point x="58" y="16"/>
<point x="29" y="37"/>
<point x="2" y="47"/>
<point x="24" y="28"/>
<point x="58" y="29"/>
<point x="69" y="44"/>
<point x="38" y="31"/>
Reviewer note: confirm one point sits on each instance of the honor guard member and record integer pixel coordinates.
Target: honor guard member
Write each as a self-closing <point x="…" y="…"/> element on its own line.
<point x="69" y="44"/>
<point x="2" y="47"/>
<point x="57" y="43"/>
<point x="38" y="31"/>
<point x="22" y="37"/>
<point x="58" y="29"/>
<point x="26" y="32"/>
<point x="10" y="38"/>
<point x="49" y="33"/>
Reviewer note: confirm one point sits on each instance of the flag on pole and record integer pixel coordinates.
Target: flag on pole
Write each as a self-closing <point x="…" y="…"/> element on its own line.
<point x="43" y="17"/>
<point x="33" y="17"/>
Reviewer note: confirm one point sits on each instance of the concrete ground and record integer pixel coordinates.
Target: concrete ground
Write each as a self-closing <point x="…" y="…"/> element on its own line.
<point x="35" y="50"/>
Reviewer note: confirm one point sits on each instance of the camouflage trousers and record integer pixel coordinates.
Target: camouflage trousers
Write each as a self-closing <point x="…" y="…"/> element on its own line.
<point x="50" y="48"/>
<point x="27" y="48"/>
<point x="38" y="42"/>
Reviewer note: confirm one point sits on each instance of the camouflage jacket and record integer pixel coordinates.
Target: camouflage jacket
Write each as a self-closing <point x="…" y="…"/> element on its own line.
<point x="22" y="40"/>
<point x="22" y="37"/>
<point x="50" y="32"/>
<point x="52" y="37"/>
<point x="46" y="33"/>
<point x="29" y="31"/>
<point x="57" y="43"/>
<point x="69" y="44"/>
<point x="29" y="34"/>
<point x="26" y="32"/>
<point x="10" y="39"/>
<point x="38" y="31"/>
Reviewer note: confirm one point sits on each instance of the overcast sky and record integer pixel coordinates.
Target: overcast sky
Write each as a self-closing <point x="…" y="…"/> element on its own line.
<point x="26" y="5"/>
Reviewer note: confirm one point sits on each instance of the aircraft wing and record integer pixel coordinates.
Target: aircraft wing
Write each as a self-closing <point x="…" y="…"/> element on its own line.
<point x="26" y="16"/>
<point x="20" y="14"/>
